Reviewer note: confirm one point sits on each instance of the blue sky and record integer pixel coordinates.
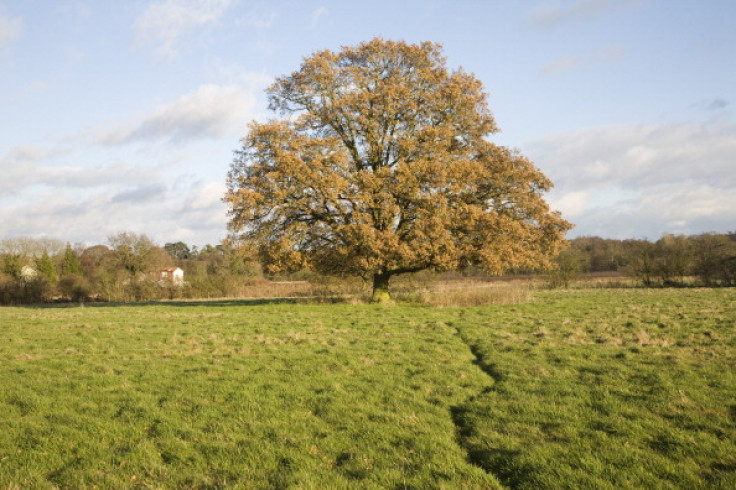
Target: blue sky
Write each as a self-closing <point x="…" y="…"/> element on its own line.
<point x="122" y="116"/>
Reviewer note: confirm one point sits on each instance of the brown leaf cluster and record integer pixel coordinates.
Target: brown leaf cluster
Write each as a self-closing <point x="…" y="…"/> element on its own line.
<point x="380" y="165"/>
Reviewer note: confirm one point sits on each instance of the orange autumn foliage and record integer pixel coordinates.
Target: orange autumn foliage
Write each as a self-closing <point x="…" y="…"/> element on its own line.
<point x="381" y="166"/>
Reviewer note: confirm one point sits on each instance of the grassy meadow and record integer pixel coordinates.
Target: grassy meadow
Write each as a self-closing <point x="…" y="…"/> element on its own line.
<point x="567" y="389"/>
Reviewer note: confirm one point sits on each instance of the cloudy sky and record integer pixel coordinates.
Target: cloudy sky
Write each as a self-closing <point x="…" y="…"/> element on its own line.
<point x="122" y="116"/>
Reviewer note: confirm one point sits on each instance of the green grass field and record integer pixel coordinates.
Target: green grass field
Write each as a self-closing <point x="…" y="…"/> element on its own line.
<point x="585" y="389"/>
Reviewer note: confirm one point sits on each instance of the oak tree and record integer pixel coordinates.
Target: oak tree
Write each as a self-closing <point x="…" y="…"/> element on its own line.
<point x="137" y="254"/>
<point x="178" y="250"/>
<point x="380" y="165"/>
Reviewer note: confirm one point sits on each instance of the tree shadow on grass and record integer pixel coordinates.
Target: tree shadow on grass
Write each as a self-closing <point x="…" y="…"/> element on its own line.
<point x="502" y="463"/>
<point x="174" y="303"/>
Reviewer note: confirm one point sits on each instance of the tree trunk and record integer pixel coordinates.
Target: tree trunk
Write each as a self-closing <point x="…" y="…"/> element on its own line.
<point x="380" y="287"/>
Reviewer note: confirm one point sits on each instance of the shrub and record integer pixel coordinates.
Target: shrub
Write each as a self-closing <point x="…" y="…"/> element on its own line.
<point x="568" y="265"/>
<point x="9" y="290"/>
<point x="142" y="290"/>
<point x="74" y="287"/>
<point x="38" y="290"/>
<point x="23" y="291"/>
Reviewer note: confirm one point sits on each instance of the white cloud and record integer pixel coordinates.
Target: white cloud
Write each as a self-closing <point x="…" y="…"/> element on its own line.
<point x="196" y="215"/>
<point x="163" y="23"/>
<point x="555" y="13"/>
<point x="18" y="168"/>
<point x="10" y="29"/>
<point x="257" y="22"/>
<point x="145" y="193"/>
<point x="639" y="156"/>
<point x="212" y="112"/>
<point x="202" y="208"/>
<point x="634" y="181"/>
<point x="605" y="55"/>
<point x="30" y="90"/>
<point x="261" y="21"/>
<point x="73" y="202"/>
<point x="23" y="167"/>
<point x="45" y="192"/>
<point x="317" y="15"/>
<point x="685" y="208"/>
<point x="205" y="196"/>
<point x="717" y="104"/>
<point x="571" y="204"/>
<point x="713" y="105"/>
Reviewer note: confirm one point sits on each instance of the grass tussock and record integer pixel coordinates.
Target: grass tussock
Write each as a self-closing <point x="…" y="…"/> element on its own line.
<point x="472" y="294"/>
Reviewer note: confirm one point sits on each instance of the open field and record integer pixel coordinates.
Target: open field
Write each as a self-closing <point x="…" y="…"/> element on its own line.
<point x="578" y="389"/>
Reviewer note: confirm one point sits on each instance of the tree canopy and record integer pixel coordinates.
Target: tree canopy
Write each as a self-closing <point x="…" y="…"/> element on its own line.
<point x="380" y="166"/>
<point x="137" y="253"/>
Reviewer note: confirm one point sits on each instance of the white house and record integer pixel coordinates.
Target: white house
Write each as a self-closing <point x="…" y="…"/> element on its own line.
<point x="172" y="275"/>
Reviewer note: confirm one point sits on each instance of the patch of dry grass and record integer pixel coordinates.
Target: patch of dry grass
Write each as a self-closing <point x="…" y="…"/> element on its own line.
<point x="470" y="293"/>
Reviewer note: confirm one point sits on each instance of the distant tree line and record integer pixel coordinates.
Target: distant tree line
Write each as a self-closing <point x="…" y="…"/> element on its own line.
<point x="126" y="269"/>
<point x="707" y="259"/>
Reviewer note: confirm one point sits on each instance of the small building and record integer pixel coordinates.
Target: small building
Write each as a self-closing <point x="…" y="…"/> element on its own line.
<point x="173" y="275"/>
